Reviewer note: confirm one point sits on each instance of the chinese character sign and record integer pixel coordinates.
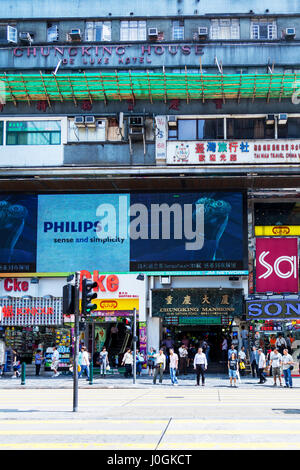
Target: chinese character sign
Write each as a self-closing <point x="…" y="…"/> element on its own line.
<point x="232" y="152"/>
<point x="277" y="265"/>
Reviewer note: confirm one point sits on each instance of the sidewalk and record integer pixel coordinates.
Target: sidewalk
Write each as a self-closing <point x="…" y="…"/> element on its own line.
<point x="144" y="381"/>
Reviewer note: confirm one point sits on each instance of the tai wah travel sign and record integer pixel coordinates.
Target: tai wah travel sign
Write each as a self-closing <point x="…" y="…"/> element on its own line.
<point x="277" y="265"/>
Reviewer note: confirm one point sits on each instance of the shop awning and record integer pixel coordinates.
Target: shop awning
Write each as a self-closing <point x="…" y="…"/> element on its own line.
<point x="105" y="86"/>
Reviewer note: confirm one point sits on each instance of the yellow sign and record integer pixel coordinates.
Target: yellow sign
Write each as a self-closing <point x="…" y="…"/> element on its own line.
<point x="116" y="304"/>
<point x="277" y="230"/>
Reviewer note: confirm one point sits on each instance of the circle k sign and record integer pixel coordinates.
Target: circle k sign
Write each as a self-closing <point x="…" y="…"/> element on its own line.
<point x="277" y="265"/>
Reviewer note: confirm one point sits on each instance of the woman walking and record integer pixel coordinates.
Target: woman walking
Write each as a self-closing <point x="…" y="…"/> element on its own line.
<point x="128" y="362"/>
<point x="233" y="367"/>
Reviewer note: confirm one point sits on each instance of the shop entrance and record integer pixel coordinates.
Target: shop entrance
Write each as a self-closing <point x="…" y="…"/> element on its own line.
<point x="193" y="335"/>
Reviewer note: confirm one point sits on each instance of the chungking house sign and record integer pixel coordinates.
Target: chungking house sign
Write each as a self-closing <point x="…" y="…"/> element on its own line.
<point x="235" y="152"/>
<point x="197" y="302"/>
<point x="109" y="55"/>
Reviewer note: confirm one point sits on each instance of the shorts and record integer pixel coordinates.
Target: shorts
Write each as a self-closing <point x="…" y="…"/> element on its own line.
<point x="151" y="364"/>
<point x="54" y="365"/>
<point x="276" y="371"/>
<point x="232" y="374"/>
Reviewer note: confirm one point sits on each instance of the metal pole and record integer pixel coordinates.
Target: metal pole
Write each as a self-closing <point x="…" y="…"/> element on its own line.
<point x="23" y="373"/>
<point x="134" y="345"/>
<point x="76" y="345"/>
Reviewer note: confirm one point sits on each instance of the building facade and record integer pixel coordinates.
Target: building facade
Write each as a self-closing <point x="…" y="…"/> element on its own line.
<point x="177" y="119"/>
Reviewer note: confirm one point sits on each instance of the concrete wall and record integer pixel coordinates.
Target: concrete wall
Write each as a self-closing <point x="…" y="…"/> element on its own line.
<point x="19" y="9"/>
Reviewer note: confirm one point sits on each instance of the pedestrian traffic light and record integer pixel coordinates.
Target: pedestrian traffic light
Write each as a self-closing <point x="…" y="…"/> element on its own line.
<point x="128" y="324"/>
<point x="87" y="295"/>
<point x="68" y="299"/>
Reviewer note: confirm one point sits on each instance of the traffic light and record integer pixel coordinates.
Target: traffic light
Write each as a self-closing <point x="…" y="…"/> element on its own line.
<point x="128" y="324"/>
<point x="68" y="299"/>
<point x="87" y="295"/>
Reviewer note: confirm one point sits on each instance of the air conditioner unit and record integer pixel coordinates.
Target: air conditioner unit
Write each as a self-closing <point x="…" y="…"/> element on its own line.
<point x="152" y="32"/>
<point x="90" y="121"/>
<point x="79" y="121"/>
<point x="75" y="35"/>
<point x="135" y="121"/>
<point x="26" y="37"/>
<point x="290" y="33"/>
<point x="202" y="32"/>
<point x="270" y="119"/>
<point x="282" y="119"/>
<point x="136" y="131"/>
<point x="165" y="279"/>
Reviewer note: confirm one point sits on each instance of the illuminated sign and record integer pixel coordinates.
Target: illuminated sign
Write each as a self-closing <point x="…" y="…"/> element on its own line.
<point x="277" y="231"/>
<point x="266" y="309"/>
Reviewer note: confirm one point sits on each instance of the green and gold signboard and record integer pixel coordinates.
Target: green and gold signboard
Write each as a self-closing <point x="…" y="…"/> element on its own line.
<point x="197" y="302"/>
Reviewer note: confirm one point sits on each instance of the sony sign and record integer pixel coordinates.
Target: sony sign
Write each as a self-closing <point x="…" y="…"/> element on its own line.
<point x="273" y="309"/>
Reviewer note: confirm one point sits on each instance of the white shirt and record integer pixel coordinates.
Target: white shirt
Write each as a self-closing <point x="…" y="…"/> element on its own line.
<point x="173" y="360"/>
<point x="55" y="356"/>
<point x="276" y="359"/>
<point x="261" y="361"/>
<point x="242" y="355"/>
<point x="128" y="358"/>
<point x="161" y="359"/>
<point x="200" y="359"/>
<point x="285" y="359"/>
<point x="85" y="358"/>
<point x="183" y="352"/>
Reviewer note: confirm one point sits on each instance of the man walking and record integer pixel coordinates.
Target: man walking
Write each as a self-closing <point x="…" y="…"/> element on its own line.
<point x="55" y="361"/>
<point x="280" y="343"/>
<point x="275" y="363"/>
<point x="254" y="361"/>
<point x="85" y="362"/>
<point x="173" y="366"/>
<point x="261" y="366"/>
<point x="200" y="365"/>
<point x="183" y="358"/>
<point x="160" y="366"/>
<point x="287" y="364"/>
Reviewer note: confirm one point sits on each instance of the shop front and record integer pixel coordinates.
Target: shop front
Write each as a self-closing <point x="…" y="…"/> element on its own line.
<point x="118" y="296"/>
<point x="190" y="316"/>
<point x="32" y="321"/>
<point x="273" y="316"/>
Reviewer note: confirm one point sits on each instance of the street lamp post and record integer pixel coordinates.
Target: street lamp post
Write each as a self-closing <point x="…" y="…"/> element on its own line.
<point x="76" y="342"/>
<point x="134" y="345"/>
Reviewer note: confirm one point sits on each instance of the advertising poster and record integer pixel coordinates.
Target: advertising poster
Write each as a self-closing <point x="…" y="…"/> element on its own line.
<point x="188" y="231"/>
<point x="82" y="231"/>
<point x="277" y="265"/>
<point x="18" y="224"/>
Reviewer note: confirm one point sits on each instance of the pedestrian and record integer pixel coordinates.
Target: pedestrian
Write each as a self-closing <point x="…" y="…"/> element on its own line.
<point x="16" y="362"/>
<point x="173" y="366"/>
<point x="79" y="370"/>
<point x="287" y="366"/>
<point x="103" y="359"/>
<point x="280" y="343"/>
<point x="38" y="362"/>
<point x="261" y="366"/>
<point x="139" y="362"/>
<point x="233" y="367"/>
<point x="85" y="362"/>
<point x="200" y="365"/>
<point x="159" y="366"/>
<point x="289" y="344"/>
<point x="244" y="337"/>
<point x="151" y="361"/>
<point x="276" y="363"/>
<point x="242" y="361"/>
<point x="224" y="348"/>
<point x="127" y="361"/>
<point x="183" y="359"/>
<point x="55" y="362"/>
<point x="254" y="361"/>
<point x="231" y="351"/>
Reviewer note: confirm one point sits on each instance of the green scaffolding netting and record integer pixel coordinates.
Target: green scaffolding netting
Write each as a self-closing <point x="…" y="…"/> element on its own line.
<point x="146" y="86"/>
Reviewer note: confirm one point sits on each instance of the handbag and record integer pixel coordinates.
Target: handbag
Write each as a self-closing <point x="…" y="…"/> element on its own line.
<point x="291" y="367"/>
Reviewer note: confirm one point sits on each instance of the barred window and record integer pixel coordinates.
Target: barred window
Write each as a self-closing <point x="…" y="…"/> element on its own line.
<point x="225" y="29"/>
<point x="263" y="29"/>
<point x="178" y="30"/>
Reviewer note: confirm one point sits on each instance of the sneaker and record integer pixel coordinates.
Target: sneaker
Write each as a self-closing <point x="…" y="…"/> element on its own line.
<point x="13" y="377"/>
<point x="275" y="385"/>
<point x="176" y="385"/>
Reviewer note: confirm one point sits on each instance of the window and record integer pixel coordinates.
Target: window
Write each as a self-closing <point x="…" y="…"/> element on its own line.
<point x="263" y="29"/>
<point x="249" y="129"/>
<point x="8" y="34"/>
<point x="289" y="130"/>
<point x="52" y="32"/>
<point x="197" y="129"/>
<point x="178" y="30"/>
<point x="225" y="29"/>
<point x="33" y="133"/>
<point x="133" y="31"/>
<point x="98" y="31"/>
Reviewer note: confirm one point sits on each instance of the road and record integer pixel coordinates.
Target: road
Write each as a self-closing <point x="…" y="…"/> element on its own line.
<point x="156" y="418"/>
